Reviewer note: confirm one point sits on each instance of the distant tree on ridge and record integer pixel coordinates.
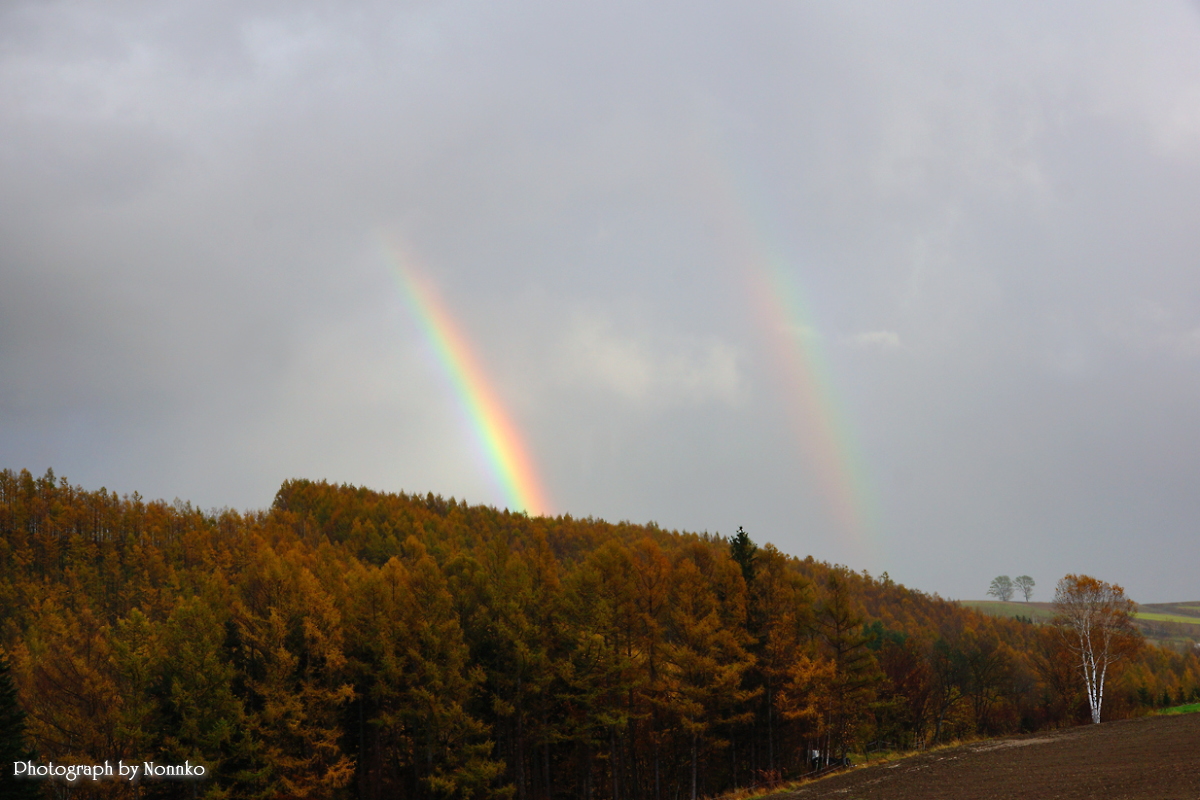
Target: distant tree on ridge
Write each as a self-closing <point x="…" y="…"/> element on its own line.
<point x="1001" y="588"/>
<point x="1025" y="585"/>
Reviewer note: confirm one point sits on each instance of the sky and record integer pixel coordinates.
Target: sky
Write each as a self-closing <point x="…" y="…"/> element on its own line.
<point x="910" y="287"/>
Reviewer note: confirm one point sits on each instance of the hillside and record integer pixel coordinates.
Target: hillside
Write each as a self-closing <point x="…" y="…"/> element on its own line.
<point x="1165" y="624"/>
<point x="1132" y="759"/>
<point x="1038" y="612"/>
<point x="351" y="643"/>
<point x="1173" y="624"/>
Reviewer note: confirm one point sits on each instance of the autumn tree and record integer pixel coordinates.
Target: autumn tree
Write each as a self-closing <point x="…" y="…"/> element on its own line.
<point x="201" y="718"/>
<point x="508" y="603"/>
<point x="1095" y="622"/>
<point x="1060" y="695"/>
<point x="988" y="672"/>
<point x="289" y="638"/>
<point x="1024" y="584"/>
<point x="780" y="621"/>
<point x="652" y="578"/>
<point x="706" y="653"/>
<point x="413" y="676"/>
<point x="601" y="672"/>
<point x="908" y="688"/>
<point x="948" y="677"/>
<point x="838" y="624"/>
<point x="76" y="707"/>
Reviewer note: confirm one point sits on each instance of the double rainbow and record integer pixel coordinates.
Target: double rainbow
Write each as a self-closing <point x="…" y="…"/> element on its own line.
<point x="499" y="440"/>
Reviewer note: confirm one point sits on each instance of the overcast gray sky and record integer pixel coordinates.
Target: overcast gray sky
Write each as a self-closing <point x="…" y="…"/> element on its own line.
<point x="910" y="287"/>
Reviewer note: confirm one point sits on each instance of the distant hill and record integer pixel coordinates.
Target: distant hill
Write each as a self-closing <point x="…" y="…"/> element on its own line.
<point x="1172" y="624"/>
<point x="1175" y="624"/>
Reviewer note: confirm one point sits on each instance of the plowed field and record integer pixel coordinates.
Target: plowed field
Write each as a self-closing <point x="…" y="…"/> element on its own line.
<point x="1151" y="757"/>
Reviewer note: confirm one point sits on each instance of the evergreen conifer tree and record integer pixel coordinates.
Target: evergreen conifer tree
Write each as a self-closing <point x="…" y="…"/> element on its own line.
<point x="744" y="552"/>
<point x="12" y="741"/>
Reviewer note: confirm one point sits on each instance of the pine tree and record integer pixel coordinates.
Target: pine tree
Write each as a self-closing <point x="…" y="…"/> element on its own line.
<point x="743" y="550"/>
<point x="13" y="747"/>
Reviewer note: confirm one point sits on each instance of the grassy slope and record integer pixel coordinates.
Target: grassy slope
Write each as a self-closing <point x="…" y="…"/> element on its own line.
<point x="1187" y="613"/>
<point x="1184" y="613"/>
<point x="1038" y="612"/>
<point x="1168" y="617"/>
<point x="1173" y="624"/>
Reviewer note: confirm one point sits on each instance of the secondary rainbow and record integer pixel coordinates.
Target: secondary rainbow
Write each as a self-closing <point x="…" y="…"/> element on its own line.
<point x="816" y="413"/>
<point x="789" y="327"/>
<point x="498" y="438"/>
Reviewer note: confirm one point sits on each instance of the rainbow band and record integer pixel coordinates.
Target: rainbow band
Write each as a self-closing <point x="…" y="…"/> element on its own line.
<point x="815" y="414"/>
<point x="827" y="441"/>
<point x="495" y="432"/>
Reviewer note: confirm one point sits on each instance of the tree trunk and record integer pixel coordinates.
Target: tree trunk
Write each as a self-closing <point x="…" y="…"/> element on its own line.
<point x="693" y="766"/>
<point x="770" y="731"/>
<point x="614" y="761"/>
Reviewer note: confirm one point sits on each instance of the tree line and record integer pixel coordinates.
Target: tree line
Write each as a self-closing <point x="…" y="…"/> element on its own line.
<point x="349" y="643"/>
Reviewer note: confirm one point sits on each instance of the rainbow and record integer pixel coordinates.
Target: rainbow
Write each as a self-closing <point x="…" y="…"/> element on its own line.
<point x="498" y="438"/>
<point x="788" y="325"/>
<point x="815" y="410"/>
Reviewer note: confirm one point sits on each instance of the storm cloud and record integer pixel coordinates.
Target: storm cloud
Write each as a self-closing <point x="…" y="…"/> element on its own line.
<point x="990" y="211"/>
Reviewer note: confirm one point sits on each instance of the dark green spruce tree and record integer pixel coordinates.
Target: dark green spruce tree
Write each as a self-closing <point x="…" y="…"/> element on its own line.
<point x="12" y="742"/>
<point x="745" y="553"/>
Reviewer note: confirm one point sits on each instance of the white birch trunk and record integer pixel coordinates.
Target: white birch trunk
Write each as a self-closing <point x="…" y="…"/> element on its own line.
<point x="1097" y="616"/>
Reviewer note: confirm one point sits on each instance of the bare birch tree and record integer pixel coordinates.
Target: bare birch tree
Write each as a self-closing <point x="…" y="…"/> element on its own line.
<point x="1095" y="620"/>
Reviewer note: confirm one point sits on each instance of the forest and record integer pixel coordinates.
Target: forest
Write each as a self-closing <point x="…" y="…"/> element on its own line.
<point x="349" y="643"/>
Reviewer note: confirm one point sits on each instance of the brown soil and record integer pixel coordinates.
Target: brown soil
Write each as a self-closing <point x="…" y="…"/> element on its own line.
<point x="1151" y="757"/>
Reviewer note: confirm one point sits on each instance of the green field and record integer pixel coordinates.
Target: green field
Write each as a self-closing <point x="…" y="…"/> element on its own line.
<point x="1191" y="708"/>
<point x="1038" y="612"/>
<point x="1157" y="617"/>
